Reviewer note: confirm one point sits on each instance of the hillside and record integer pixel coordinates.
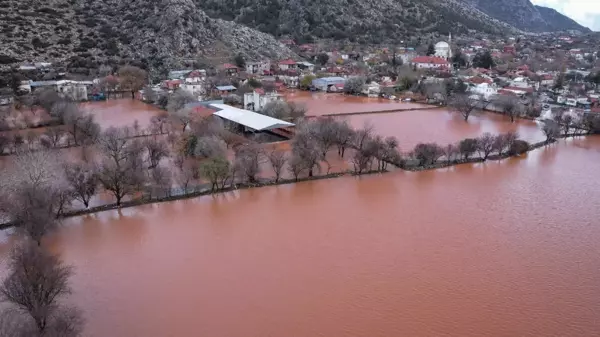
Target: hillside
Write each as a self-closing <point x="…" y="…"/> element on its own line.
<point x="559" y="21"/>
<point x="161" y="33"/>
<point x="523" y="15"/>
<point x="357" y="20"/>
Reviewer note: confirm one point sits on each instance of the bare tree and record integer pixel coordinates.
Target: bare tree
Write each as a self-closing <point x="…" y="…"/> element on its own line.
<point x="551" y="129"/>
<point x="363" y="135"/>
<point x="427" y="154"/>
<point x="156" y="150"/>
<point x="344" y="135"/>
<point x="150" y="95"/>
<point x="162" y="180"/>
<point x="216" y="171"/>
<point x="54" y="135"/>
<point x="31" y="138"/>
<point x="390" y="152"/>
<point x="36" y="282"/>
<point x="464" y="104"/>
<point x="62" y="108"/>
<point x="247" y="161"/>
<point x="187" y="173"/>
<point x="509" y="105"/>
<point x="354" y="85"/>
<point x="4" y="144"/>
<point x="46" y="98"/>
<point x="467" y="147"/>
<point x="296" y="166"/>
<point x="177" y="107"/>
<point x="361" y="160"/>
<point x="504" y="141"/>
<point x="277" y="109"/>
<point x="83" y="180"/>
<point x="450" y="152"/>
<point x="485" y="145"/>
<point x="277" y="159"/>
<point x="209" y="147"/>
<point x="132" y="78"/>
<point x="158" y="125"/>
<point x="121" y="169"/>
<point x="81" y="127"/>
<point x="305" y="148"/>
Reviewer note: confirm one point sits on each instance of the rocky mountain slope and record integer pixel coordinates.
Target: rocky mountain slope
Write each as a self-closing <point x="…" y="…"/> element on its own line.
<point x="558" y="21"/>
<point x="357" y="20"/>
<point x="523" y="15"/>
<point x="159" y="32"/>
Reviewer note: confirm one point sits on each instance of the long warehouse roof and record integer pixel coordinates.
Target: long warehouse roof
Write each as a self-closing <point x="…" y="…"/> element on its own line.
<point x="249" y="118"/>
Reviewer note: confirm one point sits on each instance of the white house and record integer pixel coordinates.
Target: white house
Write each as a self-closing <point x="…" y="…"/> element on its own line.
<point x="257" y="99"/>
<point x="429" y="62"/>
<point x="484" y="89"/>
<point x="195" y="76"/>
<point x="287" y="65"/>
<point x="371" y="90"/>
<point x="258" y="67"/>
<point x="75" y="90"/>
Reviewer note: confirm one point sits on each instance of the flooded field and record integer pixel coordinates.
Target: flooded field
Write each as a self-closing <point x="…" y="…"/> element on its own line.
<point x="452" y="252"/>
<point x="121" y="112"/>
<point x="442" y="126"/>
<point x="502" y="248"/>
<point x="319" y="103"/>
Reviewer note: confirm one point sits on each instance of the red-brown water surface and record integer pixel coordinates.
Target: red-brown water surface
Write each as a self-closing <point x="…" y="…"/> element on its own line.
<point x="121" y="112"/>
<point x="319" y="103"/>
<point x="443" y="126"/>
<point x="506" y="248"/>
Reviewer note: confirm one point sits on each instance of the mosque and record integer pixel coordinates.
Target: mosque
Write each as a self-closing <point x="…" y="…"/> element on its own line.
<point x="443" y="49"/>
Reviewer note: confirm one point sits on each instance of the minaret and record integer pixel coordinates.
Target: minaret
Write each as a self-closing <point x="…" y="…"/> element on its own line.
<point x="449" y="45"/>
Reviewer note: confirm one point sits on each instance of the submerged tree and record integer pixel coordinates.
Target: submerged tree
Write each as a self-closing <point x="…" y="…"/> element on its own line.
<point x="132" y="78"/>
<point x="464" y="104"/>
<point x="36" y="282"/>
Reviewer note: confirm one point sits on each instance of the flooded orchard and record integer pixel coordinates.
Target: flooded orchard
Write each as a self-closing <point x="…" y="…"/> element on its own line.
<point x="502" y="248"/>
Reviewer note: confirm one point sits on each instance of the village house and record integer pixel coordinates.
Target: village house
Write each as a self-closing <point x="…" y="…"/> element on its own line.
<point x="326" y="83"/>
<point x="74" y="90"/>
<point x="230" y="69"/>
<point x="258" y="68"/>
<point x="429" y="62"/>
<point x="258" y="98"/>
<point x="222" y="90"/>
<point x="372" y="89"/>
<point x="178" y="74"/>
<point x="547" y="80"/>
<point x="195" y="76"/>
<point x="287" y="65"/>
<point x="484" y="89"/>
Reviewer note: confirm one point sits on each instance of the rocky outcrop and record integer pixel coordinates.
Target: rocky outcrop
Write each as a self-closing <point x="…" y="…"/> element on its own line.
<point x="162" y="33"/>
<point x="523" y="15"/>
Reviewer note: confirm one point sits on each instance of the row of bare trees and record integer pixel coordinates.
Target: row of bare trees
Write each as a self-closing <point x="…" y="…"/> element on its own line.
<point x="33" y="195"/>
<point x="563" y="124"/>
<point x="428" y="154"/>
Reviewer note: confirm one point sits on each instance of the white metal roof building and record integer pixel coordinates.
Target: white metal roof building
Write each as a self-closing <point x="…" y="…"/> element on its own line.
<point x="249" y="118"/>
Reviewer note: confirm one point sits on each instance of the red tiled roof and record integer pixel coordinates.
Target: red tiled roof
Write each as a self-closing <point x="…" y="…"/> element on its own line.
<point x="260" y="91"/>
<point x="288" y="62"/>
<point x="529" y="89"/>
<point x="229" y="66"/>
<point x="429" y="60"/>
<point x="479" y="80"/>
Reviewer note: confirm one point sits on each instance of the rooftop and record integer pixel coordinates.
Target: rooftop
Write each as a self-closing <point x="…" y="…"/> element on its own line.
<point x="248" y="118"/>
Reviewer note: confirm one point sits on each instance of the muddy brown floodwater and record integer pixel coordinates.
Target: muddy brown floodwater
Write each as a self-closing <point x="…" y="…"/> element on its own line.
<point x="443" y="126"/>
<point x="506" y="248"/>
<point x="121" y="112"/>
<point x="320" y="103"/>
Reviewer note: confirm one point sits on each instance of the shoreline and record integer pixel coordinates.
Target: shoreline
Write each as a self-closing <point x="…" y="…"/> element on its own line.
<point x="271" y="182"/>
